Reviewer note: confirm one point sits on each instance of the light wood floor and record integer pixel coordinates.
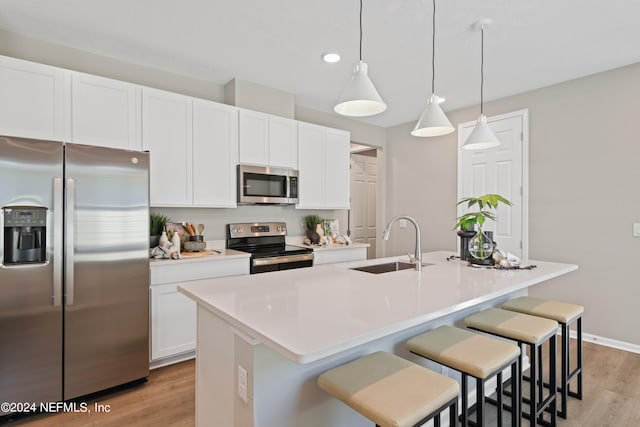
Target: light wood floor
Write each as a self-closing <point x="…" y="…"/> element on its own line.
<point x="611" y="397"/>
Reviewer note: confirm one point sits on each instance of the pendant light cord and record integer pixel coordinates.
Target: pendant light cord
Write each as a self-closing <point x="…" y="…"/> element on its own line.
<point x="481" y="68"/>
<point x="433" y="51"/>
<point x="360" y="30"/>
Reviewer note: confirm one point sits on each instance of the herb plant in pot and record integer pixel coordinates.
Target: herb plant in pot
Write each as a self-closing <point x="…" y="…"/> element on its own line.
<point x="157" y="224"/>
<point x="476" y="246"/>
<point x="311" y="223"/>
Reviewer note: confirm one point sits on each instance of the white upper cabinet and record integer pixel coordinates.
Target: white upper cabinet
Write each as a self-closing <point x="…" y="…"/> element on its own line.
<point x="337" y="169"/>
<point x="283" y="142"/>
<point x="167" y="134"/>
<point x="33" y="100"/>
<point x="105" y="112"/>
<point x="323" y="162"/>
<point x="215" y="154"/>
<point x="268" y="140"/>
<point x="193" y="147"/>
<point x="254" y="138"/>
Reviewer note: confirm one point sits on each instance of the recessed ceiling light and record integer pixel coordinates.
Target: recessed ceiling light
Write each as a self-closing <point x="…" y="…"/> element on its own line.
<point x="331" y="57"/>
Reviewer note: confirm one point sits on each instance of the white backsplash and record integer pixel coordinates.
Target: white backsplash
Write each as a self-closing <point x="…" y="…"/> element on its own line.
<point x="215" y="220"/>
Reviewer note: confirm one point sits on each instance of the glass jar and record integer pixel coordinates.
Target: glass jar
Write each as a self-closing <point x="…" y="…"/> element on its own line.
<point x="481" y="245"/>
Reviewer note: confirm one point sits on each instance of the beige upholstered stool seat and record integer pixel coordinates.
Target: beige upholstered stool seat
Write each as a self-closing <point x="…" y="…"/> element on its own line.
<point x="464" y="350"/>
<point x="559" y="311"/>
<point x="534" y="332"/>
<point x="478" y="356"/>
<point x="389" y="390"/>
<point x="518" y="326"/>
<point x="566" y="314"/>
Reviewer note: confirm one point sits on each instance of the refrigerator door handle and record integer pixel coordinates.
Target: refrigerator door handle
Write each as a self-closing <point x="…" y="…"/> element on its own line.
<point x="57" y="240"/>
<point x="69" y="239"/>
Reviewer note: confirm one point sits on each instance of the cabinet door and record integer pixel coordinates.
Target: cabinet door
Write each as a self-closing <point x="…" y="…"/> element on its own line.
<point x="215" y="154"/>
<point x="283" y="142"/>
<point x="311" y="159"/>
<point x="173" y="322"/>
<point x="34" y="100"/>
<point x="254" y="137"/>
<point x="105" y="112"/>
<point x="167" y="134"/>
<point x="337" y="169"/>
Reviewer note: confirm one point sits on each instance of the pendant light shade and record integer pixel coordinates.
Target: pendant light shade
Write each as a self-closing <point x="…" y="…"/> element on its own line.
<point x="433" y="121"/>
<point x="360" y="97"/>
<point x="481" y="137"/>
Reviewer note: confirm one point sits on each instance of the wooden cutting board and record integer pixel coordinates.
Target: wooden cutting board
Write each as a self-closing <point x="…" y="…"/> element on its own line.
<point x="197" y="254"/>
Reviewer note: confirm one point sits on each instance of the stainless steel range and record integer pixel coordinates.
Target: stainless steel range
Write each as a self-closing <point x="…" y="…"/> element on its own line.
<point x="266" y="243"/>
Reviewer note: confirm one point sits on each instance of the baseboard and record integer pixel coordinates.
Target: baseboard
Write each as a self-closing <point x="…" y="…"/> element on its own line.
<point x="172" y="359"/>
<point x="608" y="342"/>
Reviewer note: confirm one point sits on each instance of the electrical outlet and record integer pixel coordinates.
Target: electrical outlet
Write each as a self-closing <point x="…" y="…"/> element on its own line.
<point x="242" y="383"/>
<point x="636" y="229"/>
<point x="402" y="223"/>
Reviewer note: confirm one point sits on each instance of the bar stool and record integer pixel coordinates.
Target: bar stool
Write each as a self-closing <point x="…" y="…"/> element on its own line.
<point x="534" y="332"/>
<point x="565" y="314"/>
<point x="477" y="356"/>
<point x="391" y="391"/>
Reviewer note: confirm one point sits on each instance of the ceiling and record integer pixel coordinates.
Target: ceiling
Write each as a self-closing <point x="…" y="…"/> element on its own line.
<point x="533" y="43"/>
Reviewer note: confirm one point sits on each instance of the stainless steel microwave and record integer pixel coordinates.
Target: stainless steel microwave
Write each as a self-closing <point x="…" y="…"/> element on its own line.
<point x="265" y="185"/>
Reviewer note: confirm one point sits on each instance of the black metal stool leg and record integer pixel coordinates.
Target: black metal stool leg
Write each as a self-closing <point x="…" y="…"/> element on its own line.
<point x="479" y="402"/>
<point x="516" y="384"/>
<point x="465" y="401"/>
<point x="453" y="414"/>
<point x="499" y="391"/>
<point x="579" y="394"/>
<point x="564" y="371"/>
<point x="533" y="404"/>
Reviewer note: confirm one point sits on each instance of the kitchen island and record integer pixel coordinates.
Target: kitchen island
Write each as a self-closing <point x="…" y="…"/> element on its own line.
<point x="263" y="339"/>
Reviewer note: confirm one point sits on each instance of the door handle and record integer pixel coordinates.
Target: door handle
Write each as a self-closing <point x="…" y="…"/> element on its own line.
<point x="69" y="239"/>
<point x="57" y="240"/>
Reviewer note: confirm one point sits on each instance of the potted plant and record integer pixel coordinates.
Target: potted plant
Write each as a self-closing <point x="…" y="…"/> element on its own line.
<point x="311" y="223"/>
<point x="474" y="243"/>
<point x="157" y="224"/>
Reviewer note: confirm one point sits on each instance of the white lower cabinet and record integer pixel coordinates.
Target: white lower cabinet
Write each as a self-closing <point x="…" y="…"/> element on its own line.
<point x="173" y="315"/>
<point x="173" y="322"/>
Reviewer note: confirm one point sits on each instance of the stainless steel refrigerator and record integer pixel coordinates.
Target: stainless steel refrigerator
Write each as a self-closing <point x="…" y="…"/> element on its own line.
<point x="74" y="269"/>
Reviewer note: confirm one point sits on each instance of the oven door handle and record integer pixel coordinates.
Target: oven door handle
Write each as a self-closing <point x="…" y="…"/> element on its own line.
<point x="282" y="259"/>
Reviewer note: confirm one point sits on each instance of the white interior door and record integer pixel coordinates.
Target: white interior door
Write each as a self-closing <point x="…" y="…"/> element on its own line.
<point x="364" y="170"/>
<point x="503" y="171"/>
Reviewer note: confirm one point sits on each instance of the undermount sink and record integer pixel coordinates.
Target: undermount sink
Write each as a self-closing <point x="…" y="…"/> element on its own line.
<point x="387" y="267"/>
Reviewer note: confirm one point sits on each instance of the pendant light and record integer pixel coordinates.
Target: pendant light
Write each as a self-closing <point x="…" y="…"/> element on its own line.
<point x="360" y="98"/>
<point x="433" y="121"/>
<point x="481" y="137"/>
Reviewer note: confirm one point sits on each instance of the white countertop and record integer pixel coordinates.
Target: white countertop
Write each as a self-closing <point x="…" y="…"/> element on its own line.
<point x="224" y="254"/>
<point x="310" y="313"/>
<point x="335" y="246"/>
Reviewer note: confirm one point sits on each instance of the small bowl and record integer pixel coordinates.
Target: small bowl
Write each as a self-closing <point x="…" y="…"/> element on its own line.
<point x="190" y="246"/>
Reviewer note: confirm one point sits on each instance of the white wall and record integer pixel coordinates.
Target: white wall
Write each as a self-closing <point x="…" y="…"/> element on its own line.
<point x="584" y="193"/>
<point x="215" y="220"/>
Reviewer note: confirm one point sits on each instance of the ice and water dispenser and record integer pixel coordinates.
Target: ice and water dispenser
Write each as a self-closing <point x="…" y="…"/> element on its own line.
<point x="25" y="233"/>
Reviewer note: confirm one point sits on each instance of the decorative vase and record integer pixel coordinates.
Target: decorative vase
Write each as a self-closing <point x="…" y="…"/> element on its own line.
<point x="481" y="245"/>
<point x="465" y="236"/>
<point x="313" y="236"/>
<point x="164" y="240"/>
<point x="153" y="241"/>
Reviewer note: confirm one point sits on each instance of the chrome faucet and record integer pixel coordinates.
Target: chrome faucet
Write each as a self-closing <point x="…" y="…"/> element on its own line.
<point x="417" y="257"/>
